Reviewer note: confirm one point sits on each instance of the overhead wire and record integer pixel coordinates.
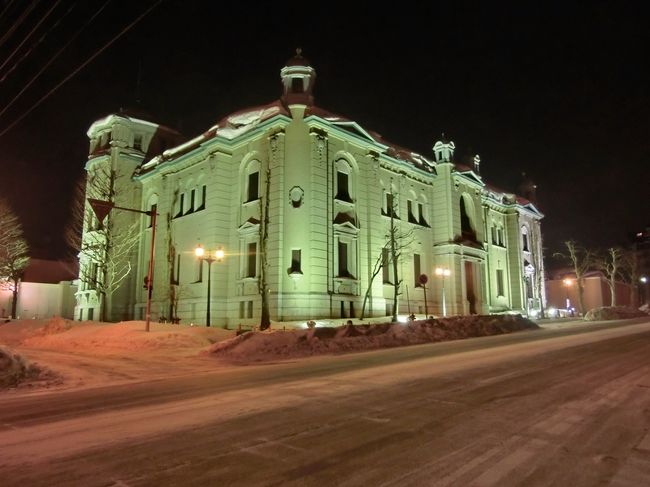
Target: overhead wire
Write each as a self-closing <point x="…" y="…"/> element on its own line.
<point x="19" y="21"/>
<point x="39" y="41"/>
<point x="83" y="65"/>
<point x="6" y="9"/>
<point x="29" y="34"/>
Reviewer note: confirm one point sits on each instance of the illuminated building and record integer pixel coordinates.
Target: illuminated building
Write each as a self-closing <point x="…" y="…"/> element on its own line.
<point x="331" y="186"/>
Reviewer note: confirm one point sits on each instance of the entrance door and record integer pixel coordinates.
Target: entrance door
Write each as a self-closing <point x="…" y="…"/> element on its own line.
<point x="470" y="290"/>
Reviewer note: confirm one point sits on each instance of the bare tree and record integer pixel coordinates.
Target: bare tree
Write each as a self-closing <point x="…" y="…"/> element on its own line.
<point x="610" y="264"/>
<point x="397" y="242"/>
<point x="106" y="248"/>
<point x="74" y="229"/>
<point x="630" y="273"/>
<point x="13" y="253"/>
<point x="263" y="288"/>
<point x="582" y="260"/>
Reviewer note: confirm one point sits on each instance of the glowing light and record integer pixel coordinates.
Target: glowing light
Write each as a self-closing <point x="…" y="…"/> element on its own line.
<point x="199" y="251"/>
<point x="442" y="272"/>
<point x="403" y="319"/>
<point x="567" y="282"/>
<point x="218" y="254"/>
<point x="643" y="279"/>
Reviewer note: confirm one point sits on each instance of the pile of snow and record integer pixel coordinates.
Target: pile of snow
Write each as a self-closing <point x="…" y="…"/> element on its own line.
<point x="277" y="345"/>
<point x="60" y="334"/>
<point x="613" y="313"/>
<point x="15" y="370"/>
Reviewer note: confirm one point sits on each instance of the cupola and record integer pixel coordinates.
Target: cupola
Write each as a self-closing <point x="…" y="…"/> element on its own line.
<point x="443" y="150"/>
<point x="298" y="79"/>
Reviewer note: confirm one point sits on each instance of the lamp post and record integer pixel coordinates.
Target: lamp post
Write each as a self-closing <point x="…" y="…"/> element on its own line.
<point x="199" y="251"/>
<point x="443" y="272"/>
<point x="644" y="281"/>
<point x="103" y="208"/>
<point x="567" y="284"/>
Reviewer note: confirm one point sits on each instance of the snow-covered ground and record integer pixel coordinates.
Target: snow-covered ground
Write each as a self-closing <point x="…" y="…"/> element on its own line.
<point x="58" y="352"/>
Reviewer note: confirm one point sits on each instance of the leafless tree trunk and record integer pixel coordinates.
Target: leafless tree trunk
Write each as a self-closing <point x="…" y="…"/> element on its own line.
<point x="582" y="260"/>
<point x="377" y="268"/>
<point x="13" y="253"/>
<point x="265" y="319"/>
<point x="609" y="264"/>
<point x="630" y="273"/>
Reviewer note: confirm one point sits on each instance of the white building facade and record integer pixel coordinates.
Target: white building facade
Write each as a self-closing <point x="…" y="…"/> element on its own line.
<point x="302" y="198"/>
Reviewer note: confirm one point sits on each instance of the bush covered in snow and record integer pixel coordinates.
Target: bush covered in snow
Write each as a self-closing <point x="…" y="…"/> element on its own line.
<point x="261" y="346"/>
<point x="14" y="370"/>
<point x="613" y="313"/>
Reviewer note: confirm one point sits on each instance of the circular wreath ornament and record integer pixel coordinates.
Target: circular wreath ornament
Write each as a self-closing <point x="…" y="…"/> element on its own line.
<point x="296" y="195"/>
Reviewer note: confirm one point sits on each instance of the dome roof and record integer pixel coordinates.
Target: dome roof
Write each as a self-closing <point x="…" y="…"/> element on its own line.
<point x="298" y="60"/>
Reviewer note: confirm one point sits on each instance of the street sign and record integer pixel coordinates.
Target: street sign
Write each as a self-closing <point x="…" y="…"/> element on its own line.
<point x="101" y="208"/>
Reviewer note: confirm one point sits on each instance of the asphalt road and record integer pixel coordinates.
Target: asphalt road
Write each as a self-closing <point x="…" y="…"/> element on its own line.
<point x="566" y="406"/>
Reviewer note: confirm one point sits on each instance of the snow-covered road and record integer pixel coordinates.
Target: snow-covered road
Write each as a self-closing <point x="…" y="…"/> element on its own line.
<point x="566" y="406"/>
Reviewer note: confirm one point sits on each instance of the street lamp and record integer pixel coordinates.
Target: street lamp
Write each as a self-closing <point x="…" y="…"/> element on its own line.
<point x="199" y="251"/>
<point x="443" y="272"/>
<point x="644" y="280"/>
<point x="567" y="284"/>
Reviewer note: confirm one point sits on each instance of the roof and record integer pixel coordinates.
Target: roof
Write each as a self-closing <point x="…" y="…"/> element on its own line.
<point x="50" y="271"/>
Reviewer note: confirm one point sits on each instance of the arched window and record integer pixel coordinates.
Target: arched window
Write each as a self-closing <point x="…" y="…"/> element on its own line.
<point x="251" y="182"/>
<point x="524" y="239"/>
<point x="423" y="213"/>
<point x="344" y="181"/>
<point x="467" y="218"/>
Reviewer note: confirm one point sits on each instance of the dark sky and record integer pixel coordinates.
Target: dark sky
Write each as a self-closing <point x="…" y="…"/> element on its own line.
<point x="560" y="91"/>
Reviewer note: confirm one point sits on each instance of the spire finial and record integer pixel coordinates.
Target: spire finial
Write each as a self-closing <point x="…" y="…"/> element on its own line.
<point x="299" y="51"/>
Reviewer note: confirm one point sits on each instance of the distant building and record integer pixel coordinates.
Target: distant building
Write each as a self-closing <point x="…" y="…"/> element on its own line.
<point x="562" y="292"/>
<point x="47" y="289"/>
<point x="641" y="245"/>
<point x="330" y="187"/>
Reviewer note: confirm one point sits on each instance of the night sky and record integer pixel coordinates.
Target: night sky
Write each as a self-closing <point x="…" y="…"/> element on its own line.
<point x="559" y="91"/>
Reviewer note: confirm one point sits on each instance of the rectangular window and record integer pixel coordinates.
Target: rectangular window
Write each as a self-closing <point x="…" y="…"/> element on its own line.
<point x="137" y="141"/>
<point x="191" y="208"/>
<point x="416" y="269"/>
<point x="81" y="314"/>
<point x="176" y="274"/>
<point x="343" y="190"/>
<point x="423" y="220"/>
<point x="391" y="206"/>
<point x="500" y="282"/>
<point x="343" y="260"/>
<point x="251" y="265"/>
<point x="385" y="267"/>
<point x="409" y="211"/>
<point x="250" y="310"/>
<point x="495" y="240"/>
<point x="242" y="307"/>
<point x="296" y="85"/>
<point x="525" y="239"/>
<point x="91" y="313"/>
<point x="203" y="194"/>
<point x="181" y="203"/>
<point x="295" y="262"/>
<point x="153" y="209"/>
<point x="500" y="237"/>
<point x="253" y="186"/>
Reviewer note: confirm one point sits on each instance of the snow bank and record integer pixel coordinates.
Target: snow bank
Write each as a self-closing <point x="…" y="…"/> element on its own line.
<point x="15" y="371"/>
<point x="278" y="345"/>
<point x="613" y="313"/>
<point x="59" y="334"/>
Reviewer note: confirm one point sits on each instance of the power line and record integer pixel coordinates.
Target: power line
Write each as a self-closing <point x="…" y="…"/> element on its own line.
<point x="20" y="20"/>
<point x="38" y="24"/>
<point x="83" y="65"/>
<point x="41" y="39"/>
<point x="6" y="9"/>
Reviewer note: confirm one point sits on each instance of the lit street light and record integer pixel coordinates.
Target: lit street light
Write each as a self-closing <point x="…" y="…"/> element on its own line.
<point x="199" y="251"/>
<point x="442" y="272"/>
<point x="644" y="281"/>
